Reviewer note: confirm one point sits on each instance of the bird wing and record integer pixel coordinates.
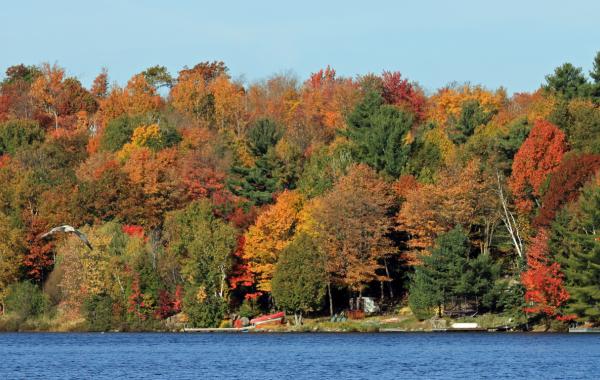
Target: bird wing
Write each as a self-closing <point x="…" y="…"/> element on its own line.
<point x="53" y="231"/>
<point x="69" y="229"/>
<point x="83" y="238"/>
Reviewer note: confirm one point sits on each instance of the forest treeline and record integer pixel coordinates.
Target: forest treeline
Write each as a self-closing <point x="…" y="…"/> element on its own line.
<point x="204" y="197"/>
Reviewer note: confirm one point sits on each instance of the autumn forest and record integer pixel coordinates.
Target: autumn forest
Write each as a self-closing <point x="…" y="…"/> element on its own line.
<point x="205" y="197"/>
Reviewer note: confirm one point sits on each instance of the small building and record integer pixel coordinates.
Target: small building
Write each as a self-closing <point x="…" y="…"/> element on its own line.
<point x="365" y="304"/>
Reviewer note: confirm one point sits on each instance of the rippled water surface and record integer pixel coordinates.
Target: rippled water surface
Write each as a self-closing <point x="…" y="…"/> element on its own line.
<point x="299" y="356"/>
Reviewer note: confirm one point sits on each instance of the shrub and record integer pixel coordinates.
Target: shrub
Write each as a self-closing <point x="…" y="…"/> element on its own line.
<point x="16" y="134"/>
<point x="249" y="308"/>
<point x="207" y="312"/>
<point x="26" y="300"/>
<point x="98" y="310"/>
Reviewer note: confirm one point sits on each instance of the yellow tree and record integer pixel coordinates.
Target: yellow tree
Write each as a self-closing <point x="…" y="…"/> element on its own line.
<point x="229" y="105"/>
<point x="447" y="102"/>
<point x="438" y="137"/>
<point x="143" y="136"/>
<point x="191" y="94"/>
<point x="83" y="272"/>
<point x="273" y="230"/>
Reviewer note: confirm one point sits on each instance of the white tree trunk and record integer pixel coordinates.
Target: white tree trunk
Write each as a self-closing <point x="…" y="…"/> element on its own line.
<point x="509" y="221"/>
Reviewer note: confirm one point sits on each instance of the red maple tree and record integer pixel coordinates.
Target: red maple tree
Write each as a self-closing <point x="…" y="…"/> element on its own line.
<point x="569" y="177"/>
<point x="240" y="275"/>
<point x="402" y="93"/>
<point x="540" y="155"/>
<point x="544" y="289"/>
<point x="169" y="303"/>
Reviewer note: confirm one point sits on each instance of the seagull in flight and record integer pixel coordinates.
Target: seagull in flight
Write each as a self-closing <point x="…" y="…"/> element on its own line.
<point x="69" y="229"/>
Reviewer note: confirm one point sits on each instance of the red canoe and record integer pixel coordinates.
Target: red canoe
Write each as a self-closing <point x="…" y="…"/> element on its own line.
<point x="276" y="318"/>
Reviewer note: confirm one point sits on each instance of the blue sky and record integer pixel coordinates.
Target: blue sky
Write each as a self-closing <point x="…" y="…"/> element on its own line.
<point x="493" y="43"/>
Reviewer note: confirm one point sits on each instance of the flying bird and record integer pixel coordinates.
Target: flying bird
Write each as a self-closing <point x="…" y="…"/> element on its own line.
<point x="69" y="229"/>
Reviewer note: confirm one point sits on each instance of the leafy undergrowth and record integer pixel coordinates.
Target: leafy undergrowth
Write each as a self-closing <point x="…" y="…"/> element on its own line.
<point x="11" y="322"/>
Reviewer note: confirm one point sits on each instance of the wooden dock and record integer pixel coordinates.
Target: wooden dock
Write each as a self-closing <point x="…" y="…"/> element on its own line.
<point x="217" y="329"/>
<point x="460" y="330"/>
<point x="585" y="330"/>
<point x="461" y="327"/>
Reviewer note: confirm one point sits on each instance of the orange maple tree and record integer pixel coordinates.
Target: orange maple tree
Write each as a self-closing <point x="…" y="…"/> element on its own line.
<point x="273" y="230"/>
<point x="460" y="196"/>
<point x="352" y="223"/>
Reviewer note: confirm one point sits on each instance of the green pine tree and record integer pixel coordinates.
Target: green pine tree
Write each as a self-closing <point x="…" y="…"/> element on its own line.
<point x="567" y="81"/>
<point x="576" y="246"/>
<point x="595" y="73"/>
<point x="448" y="276"/>
<point x="259" y="182"/>
<point x="438" y="279"/>
<point x="379" y="132"/>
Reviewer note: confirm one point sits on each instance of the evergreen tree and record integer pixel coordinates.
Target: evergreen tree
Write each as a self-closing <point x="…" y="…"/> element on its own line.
<point x="379" y="134"/>
<point x="567" y="81"/>
<point x="263" y="136"/>
<point x="479" y="282"/>
<point x="448" y="276"/>
<point x="424" y="297"/>
<point x="508" y="144"/>
<point x="258" y="182"/>
<point x="438" y="279"/>
<point x="576" y="245"/>
<point x="595" y="73"/>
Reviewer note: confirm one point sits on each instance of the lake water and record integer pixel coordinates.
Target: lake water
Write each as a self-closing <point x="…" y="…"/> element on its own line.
<point x="299" y="356"/>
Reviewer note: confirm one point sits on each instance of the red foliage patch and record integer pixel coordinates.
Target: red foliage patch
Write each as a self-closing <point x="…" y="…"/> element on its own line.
<point x="402" y="93"/>
<point x="38" y="258"/>
<point x="569" y="177"/>
<point x="240" y="275"/>
<point x="543" y="280"/>
<point x="133" y="230"/>
<point x="540" y="155"/>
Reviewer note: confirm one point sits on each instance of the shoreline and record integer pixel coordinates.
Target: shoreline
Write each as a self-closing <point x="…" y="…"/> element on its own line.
<point x="404" y="322"/>
<point x="217" y="332"/>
